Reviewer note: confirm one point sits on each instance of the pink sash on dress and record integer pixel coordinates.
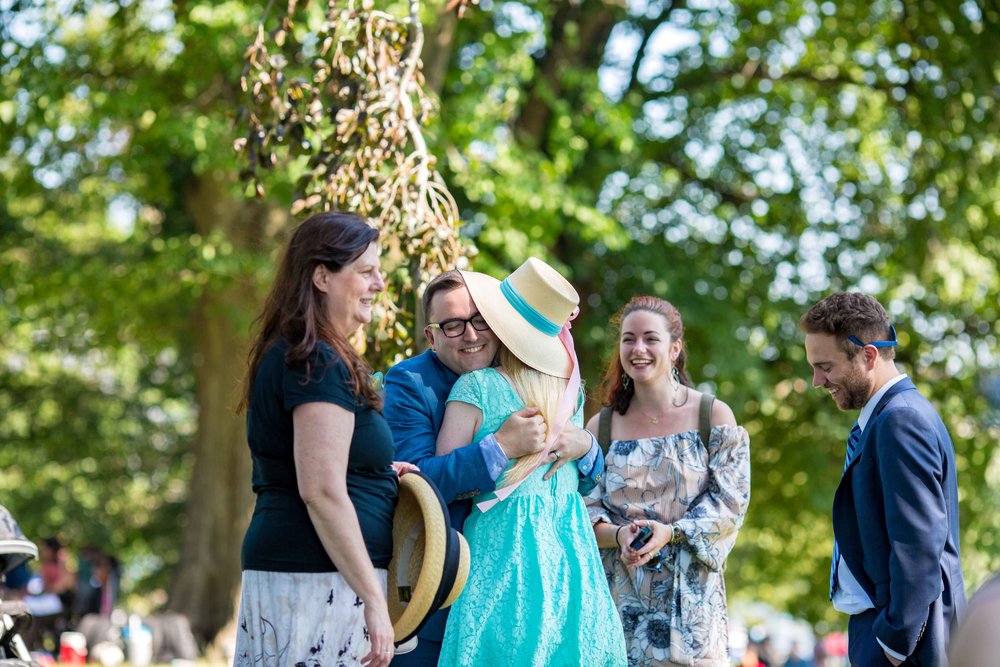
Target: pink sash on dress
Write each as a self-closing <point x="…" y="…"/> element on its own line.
<point x="567" y="406"/>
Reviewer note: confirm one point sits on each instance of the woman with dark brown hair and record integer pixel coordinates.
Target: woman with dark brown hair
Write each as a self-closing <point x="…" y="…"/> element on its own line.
<point x="677" y="476"/>
<point x="317" y="548"/>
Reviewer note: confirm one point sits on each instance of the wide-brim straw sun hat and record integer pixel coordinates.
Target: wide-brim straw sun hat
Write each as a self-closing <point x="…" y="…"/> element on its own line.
<point x="430" y="559"/>
<point x="526" y="311"/>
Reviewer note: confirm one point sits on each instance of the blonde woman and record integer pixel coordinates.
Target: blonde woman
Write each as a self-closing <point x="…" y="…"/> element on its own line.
<point x="536" y="593"/>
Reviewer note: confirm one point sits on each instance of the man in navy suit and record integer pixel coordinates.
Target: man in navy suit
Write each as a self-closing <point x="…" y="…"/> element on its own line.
<point x="897" y="569"/>
<point x="416" y="392"/>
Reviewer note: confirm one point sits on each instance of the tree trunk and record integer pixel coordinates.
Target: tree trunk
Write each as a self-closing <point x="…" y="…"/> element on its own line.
<point x="437" y="50"/>
<point x="206" y="580"/>
<point x="581" y="47"/>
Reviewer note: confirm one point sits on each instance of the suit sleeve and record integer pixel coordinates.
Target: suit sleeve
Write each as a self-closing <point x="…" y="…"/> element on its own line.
<point x="460" y="473"/>
<point x="598" y="507"/>
<point x="911" y="469"/>
<point x="593" y="460"/>
<point x="709" y="528"/>
<point x="588" y="482"/>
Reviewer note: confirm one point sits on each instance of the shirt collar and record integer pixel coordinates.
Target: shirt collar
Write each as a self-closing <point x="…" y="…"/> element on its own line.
<point x="866" y="412"/>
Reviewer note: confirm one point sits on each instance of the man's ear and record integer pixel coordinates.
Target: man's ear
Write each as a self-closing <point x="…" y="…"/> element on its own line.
<point x="429" y="337"/>
<point x="319" y="278"/>
<point x="871" y="356"/>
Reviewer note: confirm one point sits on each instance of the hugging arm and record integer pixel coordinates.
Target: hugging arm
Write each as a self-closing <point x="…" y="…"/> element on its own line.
<point x="580" y="445"/>
<point x="461" y="421"/>
<point x="411" y="417"/>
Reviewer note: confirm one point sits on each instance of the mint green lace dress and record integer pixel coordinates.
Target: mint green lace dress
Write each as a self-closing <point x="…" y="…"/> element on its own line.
<point x="536" y="593"/>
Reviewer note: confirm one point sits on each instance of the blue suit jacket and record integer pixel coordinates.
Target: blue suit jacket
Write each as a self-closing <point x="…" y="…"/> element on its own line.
<point x="416" y="394"/>
<point x="895" y="517"/>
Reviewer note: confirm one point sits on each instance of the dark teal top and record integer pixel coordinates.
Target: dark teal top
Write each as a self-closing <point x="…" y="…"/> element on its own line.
<point x="281" y="537"/>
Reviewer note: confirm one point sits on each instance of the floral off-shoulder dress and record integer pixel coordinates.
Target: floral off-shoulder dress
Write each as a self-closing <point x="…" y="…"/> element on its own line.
<point x="676" y="616"/>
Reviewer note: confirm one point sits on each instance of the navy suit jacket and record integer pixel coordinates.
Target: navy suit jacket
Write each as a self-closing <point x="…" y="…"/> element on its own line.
<point x="895" y="517"/>
<point x="416" y="394"/>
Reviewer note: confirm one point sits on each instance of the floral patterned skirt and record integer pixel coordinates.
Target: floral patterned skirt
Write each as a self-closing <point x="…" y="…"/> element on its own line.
<point x="300" y="618"/>
<point x="673" y="617"/>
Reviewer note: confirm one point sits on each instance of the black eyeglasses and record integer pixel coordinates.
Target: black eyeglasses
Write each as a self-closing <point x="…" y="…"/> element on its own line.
<point x="878" y="343"/>
<point x="456" y="327"/>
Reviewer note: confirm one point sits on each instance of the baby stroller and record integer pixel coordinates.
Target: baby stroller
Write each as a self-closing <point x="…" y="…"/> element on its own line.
<point x="15" y="549"/>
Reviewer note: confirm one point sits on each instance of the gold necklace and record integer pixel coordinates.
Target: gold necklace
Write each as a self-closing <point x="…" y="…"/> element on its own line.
<point x="655" y="420"/>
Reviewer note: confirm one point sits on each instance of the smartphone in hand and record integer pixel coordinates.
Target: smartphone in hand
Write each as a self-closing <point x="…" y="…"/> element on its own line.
<point x="644" y="535"/>
<point x="641" y="539"/>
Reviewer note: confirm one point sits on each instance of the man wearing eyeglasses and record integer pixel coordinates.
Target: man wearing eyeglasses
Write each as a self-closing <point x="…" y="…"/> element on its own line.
<point x="896" y="565"/>
<point x="416" y="391"/>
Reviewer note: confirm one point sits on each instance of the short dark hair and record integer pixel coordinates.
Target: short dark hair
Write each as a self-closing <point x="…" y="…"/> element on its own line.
<point x="847" y="314"/>
<point x="445" y="282"/>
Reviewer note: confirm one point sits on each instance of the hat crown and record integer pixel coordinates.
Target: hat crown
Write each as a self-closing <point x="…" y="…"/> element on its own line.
<point x="545" y="290"/>
<point x="527" y="312"/>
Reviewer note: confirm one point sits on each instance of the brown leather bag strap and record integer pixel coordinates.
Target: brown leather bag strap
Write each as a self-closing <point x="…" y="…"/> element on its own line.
<point x="604" y="429"/>
<point x="705" y="417"/>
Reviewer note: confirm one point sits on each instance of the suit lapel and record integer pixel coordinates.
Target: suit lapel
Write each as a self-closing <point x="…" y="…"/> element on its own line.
<point x="845" y="504"/>
<point x="903" y="385"/>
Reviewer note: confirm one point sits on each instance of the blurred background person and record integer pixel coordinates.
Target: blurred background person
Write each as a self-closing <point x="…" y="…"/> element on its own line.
<point x="797" y="656"/>
<point x="50" y="595"/>
<point x="977" y="640"/>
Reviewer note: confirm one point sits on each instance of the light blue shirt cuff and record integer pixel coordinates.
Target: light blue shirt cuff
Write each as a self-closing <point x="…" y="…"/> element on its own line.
<point x="889" y="651"/>
<point x="586" y="463"/>
<point x="496" y="460"/>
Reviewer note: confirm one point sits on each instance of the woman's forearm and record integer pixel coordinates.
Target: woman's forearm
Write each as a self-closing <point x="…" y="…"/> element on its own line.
<point x="610" y="536"/>
<point x="322" y="443"/>
<point x="336" y="522"/>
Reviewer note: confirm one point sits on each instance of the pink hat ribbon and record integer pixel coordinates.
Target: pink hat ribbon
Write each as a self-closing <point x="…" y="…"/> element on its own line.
<point x="566" y="409"/>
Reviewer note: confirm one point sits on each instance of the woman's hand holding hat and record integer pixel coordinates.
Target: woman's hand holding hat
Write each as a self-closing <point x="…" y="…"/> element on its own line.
<point x="380" y="633"/>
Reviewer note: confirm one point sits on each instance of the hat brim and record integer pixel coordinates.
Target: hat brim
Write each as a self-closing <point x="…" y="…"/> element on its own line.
<point x="430" y="560"/>
<point x="462" y="573"/>
<point x="536" y="349"/>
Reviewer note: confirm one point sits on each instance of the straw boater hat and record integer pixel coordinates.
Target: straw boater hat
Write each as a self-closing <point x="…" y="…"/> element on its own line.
<point x="430" y="559"/>
<point x="527" y="311"/>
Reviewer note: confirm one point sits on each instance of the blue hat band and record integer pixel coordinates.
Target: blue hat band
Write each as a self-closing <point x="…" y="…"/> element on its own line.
<point x="528" y="312"/>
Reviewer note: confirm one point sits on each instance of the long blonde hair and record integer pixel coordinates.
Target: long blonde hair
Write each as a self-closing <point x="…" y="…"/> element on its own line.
<point x="534" y="388"/>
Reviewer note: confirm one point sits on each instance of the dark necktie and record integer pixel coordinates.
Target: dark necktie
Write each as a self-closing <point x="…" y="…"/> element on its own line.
<point x="853" y="445"/>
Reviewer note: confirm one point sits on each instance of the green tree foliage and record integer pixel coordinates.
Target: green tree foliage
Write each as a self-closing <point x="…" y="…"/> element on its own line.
<point x="743" y="160"/>
<point x="739" y="159"/>
<point x="128" y="270"/>
<point x="338" y="86"/>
